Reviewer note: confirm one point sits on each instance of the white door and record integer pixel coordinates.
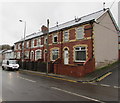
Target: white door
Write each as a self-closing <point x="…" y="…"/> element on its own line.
<point x="66" y="57"/>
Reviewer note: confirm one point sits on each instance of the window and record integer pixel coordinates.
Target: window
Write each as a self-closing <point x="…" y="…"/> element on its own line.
<point x="119" y="38"/>
<point x="66" y="34"/>
<point x="79" y="33"/>
<point x="22" y="45"/>
<point x="15" y="54"/>
<point x="32" y="43"/>
<point x="18" y="55"/>
<point x="26" y="56"/>
<point x="80" y="54"/>
<point x="27" y="44"/>
<point x="19" y="46"/>
<point x="39" y="41"/>
<point x="38" y="54"/>
<point x="55" y="38"/>
<point x="45" y="40"/>
<point x="119" y="46"/>
<point x="16" y="46"/>
<point x="55" y="54"/>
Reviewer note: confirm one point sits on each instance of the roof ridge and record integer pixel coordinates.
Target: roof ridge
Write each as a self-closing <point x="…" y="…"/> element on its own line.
<point x="80" y="17"/>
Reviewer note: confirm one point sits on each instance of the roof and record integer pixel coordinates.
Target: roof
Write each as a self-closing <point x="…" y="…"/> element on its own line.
<point x="90" y="17"/>
<point x="8" y="51"/>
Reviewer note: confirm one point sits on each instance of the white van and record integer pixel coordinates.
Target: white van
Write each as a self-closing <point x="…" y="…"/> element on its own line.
<point x="10" y="65"/>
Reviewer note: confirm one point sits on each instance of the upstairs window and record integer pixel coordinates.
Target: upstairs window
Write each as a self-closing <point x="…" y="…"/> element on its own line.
<point x="19" y="46"/>
<point x="79" y="33"/>
<point x="119" y="38"/>
<point x="80" y="54"/>
<point x="119" y="46"/>
<point x="27" y="44"/>
<point x="55" y="38"/>
<point x="39" y="41"/>
<point x="54" y="54"/>
<point x="32" y="43"/>
<point x="45" y="40"/>
<point x="66" y="36"/>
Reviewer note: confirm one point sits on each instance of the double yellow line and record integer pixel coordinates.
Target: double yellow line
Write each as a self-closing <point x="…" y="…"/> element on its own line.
<point x="60" y="78"/>
<point x="104" y="76"/>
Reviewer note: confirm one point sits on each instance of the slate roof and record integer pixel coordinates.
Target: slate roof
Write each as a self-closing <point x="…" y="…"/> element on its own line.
<point x="93" y="16"/>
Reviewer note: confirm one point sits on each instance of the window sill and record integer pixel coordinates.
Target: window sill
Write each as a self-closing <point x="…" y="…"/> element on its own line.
<point x="79" y="61"/>
<point x="70" y="64"/>
<point x="55" y="43"/>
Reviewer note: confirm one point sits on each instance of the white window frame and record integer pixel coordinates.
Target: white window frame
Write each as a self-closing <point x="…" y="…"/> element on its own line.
<point x="27" y="44"/>
<point x="38" y="41"/>
<point x="45" y="40"/>
<point x="79" y="50"/>
<point x="118" y="38"/>
<point x="81" y="31"/>
<point x="119" y="46"/>
<point x="19" y="46"/>
<point x="32" y="43"/>
<point x="27" y="54"/>
<point x="64" y="38"/>
<point x="40" y="55"/>
<point x="52" y="54"/>
<point x="15" y="46"/>
<point x="55" y="35"/>
<point x="18" y="55"/>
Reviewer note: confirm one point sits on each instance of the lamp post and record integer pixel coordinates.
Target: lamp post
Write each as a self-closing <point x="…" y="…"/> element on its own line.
<point x="23" y="46"/>
<point x="47" y="46"/>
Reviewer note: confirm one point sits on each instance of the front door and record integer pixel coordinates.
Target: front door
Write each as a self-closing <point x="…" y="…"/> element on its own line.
<point x="66" y="57"/>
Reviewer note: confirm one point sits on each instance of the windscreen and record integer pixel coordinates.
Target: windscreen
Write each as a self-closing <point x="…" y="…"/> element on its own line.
<point x="12" y="61"/>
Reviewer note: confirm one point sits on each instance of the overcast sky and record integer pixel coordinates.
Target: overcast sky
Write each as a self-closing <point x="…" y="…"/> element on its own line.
<point x="36" y="13"/>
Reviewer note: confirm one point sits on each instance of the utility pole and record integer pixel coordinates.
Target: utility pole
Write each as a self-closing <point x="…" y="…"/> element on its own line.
<point x="47" y="46"/>
<point x="23" y="46"/>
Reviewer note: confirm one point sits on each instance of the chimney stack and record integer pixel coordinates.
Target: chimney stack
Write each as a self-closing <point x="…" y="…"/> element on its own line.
<point x="44" y="29"/>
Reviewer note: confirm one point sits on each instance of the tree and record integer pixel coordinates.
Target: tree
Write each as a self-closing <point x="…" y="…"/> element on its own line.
<point x="5" y="47"/>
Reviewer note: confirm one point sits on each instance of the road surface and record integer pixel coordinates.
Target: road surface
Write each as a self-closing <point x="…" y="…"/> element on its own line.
<point x="18" y="86"/>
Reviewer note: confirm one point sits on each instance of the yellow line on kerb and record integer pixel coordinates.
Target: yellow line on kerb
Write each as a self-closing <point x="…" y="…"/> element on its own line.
<point x="51" y="76"/>
<point x="104" y="76"/>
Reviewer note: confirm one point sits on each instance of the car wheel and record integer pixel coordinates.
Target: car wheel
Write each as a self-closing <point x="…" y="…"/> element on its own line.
<point x="3" y="68"/>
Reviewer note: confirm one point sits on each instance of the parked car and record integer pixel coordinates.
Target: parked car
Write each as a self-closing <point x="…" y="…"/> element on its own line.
<point x="10" y="65"/>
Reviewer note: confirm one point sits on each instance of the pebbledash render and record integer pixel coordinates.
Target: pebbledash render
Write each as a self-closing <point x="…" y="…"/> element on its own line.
<point x="76" y="47"/>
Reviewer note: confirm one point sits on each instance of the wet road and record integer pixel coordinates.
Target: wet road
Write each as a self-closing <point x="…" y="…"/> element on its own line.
<point x="27" y="87"/>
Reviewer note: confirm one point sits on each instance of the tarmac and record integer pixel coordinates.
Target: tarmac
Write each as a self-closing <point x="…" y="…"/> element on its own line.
<point x="95" y="76"/>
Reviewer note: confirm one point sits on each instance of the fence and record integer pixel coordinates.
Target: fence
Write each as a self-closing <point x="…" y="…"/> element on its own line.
<point x="36" y="66"/>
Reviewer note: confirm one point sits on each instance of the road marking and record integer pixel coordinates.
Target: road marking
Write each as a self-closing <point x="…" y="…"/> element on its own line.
<point x="51" y="76"/>
<point x="93" y="83"/>
<point x="104" y="76"/>
<point x="77" y="95"/>
<point x="26" y="79"/>
<point x="105" y="85"/>
<point x="116" y="87"/>
<point x="1" y="100"/>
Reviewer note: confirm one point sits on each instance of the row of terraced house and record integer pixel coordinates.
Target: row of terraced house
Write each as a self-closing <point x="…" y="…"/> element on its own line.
<point x="76" y="47"/>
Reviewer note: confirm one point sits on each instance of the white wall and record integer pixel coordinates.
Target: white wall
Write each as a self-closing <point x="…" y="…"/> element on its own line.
<point x="105" y="42"/>
<point x="9" y="54"/>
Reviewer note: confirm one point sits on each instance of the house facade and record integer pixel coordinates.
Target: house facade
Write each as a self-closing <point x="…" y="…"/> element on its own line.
<point x="7" y="54"/>
<point x="75" y="48"/>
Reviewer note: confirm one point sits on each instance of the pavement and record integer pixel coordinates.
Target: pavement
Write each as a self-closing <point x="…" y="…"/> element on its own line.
<point x="95" y="76"/>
